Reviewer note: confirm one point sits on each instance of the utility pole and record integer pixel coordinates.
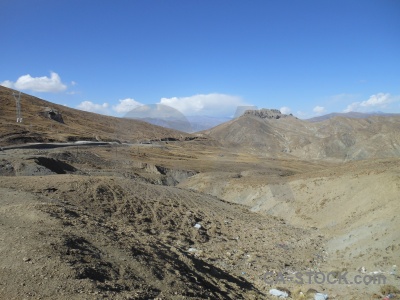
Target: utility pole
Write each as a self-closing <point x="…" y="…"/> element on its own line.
<point x="17" y="97"/>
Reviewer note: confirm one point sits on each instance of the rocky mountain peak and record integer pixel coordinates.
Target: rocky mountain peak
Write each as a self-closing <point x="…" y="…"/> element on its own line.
<point x="265" y="113"/>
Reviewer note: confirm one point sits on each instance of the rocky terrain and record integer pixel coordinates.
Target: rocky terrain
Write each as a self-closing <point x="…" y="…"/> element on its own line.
<point x="204" y="216"/>
<point x="267" y="113"/>
<point x="269" y="132"/>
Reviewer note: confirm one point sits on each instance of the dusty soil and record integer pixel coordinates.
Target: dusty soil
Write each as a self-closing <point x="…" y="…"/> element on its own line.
<point x="119" y="222"/>
<point x="354" y="207"/>
<point x="82" y="236"/>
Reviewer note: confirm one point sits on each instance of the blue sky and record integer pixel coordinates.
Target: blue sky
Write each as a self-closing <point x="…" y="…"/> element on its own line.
<point x="308" y="57"/>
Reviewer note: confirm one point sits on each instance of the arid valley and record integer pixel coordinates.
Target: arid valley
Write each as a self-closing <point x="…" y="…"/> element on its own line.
<point x="231" y="212"/>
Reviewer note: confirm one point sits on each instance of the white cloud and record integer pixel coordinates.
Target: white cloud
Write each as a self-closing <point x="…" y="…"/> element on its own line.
<point x="126" y="105"/>
<point x="93" y="107"/>
<point x="209" y="104"/>
<point x="7" y="84"/>
<point x="44" y="84"/>
<point x="352" y="107"/>
<point x="285" y="110"/>
<point x="380" y="100"/>
<point x="319" y="110"/>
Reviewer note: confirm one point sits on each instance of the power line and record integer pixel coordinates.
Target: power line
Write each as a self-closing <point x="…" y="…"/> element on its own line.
<point x="17" y="97"/>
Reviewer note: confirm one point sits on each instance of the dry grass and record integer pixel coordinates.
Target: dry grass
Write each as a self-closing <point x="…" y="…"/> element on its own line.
<point x="78" y="125"/>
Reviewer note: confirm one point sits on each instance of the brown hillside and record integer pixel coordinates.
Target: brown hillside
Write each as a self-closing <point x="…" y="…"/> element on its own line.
<point x="337" y="138"/>
<point x="78" y="125"/>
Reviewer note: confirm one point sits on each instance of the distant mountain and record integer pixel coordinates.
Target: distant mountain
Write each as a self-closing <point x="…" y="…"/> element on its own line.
<point x="352" y="114"/>
<point x="200" y="123"/>
<point x="161" y="115"/>
<point x="168" y="117"/>
<point x="334" y="138"/>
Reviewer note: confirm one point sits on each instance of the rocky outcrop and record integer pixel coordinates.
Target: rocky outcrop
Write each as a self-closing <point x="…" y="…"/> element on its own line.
<point x="52" y="114"/>
<point x="267" y="113"/>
